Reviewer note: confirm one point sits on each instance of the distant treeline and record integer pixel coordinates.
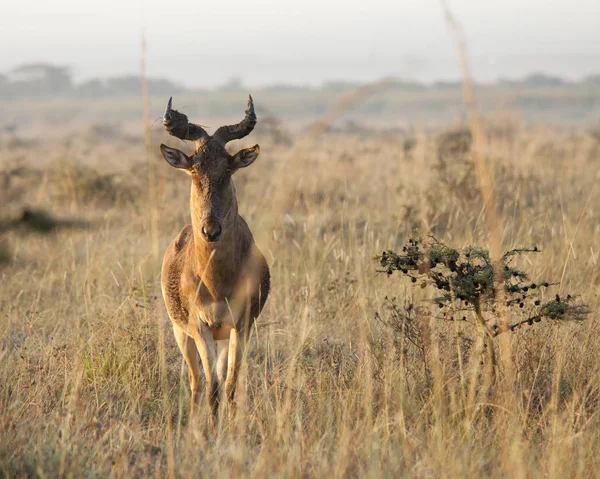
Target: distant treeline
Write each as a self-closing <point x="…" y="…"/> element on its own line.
<point x="44" y="80"/>
<point x="45" y="92"/>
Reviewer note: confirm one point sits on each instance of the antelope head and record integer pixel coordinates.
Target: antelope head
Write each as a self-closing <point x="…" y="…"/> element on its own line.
<point x="213" y="199"/>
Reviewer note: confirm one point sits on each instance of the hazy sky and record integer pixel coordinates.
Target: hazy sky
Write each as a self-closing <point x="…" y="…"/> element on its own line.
<point x="202" y="43"/>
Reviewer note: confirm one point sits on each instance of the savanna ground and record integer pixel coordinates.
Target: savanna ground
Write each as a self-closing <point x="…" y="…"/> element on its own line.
<point x="92" y="382"/>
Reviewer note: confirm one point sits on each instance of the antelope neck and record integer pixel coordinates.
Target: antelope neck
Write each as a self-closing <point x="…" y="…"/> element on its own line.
<point x="217" y="263"/>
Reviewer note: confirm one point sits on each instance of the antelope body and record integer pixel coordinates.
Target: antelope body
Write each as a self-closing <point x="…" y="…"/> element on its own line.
<point x="215" y="281"/>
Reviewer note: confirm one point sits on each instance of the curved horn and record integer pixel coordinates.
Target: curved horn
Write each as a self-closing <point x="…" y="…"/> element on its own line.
<point x="240" y="130"/>
<point x="177" y="125"/>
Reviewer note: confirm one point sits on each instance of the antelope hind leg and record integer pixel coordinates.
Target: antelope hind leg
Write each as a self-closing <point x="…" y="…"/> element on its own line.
<point x="222" y="353"/>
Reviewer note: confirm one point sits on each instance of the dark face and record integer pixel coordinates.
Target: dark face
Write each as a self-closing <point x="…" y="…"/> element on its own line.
<point x="213" y="194"/>
<point x="212" y="191"/>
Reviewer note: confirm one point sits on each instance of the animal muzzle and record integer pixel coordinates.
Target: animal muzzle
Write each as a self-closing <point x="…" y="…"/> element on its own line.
<point x="211" y="230"/>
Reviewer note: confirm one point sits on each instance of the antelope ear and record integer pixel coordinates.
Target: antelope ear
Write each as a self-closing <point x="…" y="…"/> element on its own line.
<point x="245" y="157"/>
<point x="175" y="157"/>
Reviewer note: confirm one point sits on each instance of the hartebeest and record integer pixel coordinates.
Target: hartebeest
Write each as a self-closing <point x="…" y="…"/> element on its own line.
<point x="215" y="281"/>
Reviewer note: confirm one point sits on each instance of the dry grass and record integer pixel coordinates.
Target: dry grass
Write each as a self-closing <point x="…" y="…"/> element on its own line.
<point x="92" y="382"/>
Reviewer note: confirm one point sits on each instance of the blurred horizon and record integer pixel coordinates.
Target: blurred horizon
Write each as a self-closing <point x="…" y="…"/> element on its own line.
<point x="75" y="73"/>
<point x="537" y="60"/>
<point x="47" y="93"/>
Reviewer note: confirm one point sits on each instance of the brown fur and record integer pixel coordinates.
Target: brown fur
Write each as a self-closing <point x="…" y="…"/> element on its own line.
<point x="182" y="268"/>
<point x="213" y="290"/>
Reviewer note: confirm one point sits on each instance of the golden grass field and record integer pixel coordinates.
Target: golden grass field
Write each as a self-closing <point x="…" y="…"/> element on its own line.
<point x="93" y="384"/>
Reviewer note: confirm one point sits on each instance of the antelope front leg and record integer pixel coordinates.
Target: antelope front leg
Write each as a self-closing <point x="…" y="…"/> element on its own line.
<point x="190" y="354"/>
<point x="233" y="360"/>
<point x="206" y="347"/>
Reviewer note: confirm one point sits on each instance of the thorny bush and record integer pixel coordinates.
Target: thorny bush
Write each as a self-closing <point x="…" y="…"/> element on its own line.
<point x="467" y="288"/>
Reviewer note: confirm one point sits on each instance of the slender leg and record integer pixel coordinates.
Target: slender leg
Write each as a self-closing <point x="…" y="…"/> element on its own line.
<point x="232" y="364"/>
<point x="208" y="355"/>
<point x="190" y="354"/>
<point x="222" y="352"/>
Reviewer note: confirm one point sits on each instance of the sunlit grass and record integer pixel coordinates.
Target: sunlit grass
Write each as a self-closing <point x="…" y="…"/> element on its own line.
<point x="92" y="382"/>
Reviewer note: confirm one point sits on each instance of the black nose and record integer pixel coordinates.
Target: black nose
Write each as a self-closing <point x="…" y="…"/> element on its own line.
<point x="211" y="231"/>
